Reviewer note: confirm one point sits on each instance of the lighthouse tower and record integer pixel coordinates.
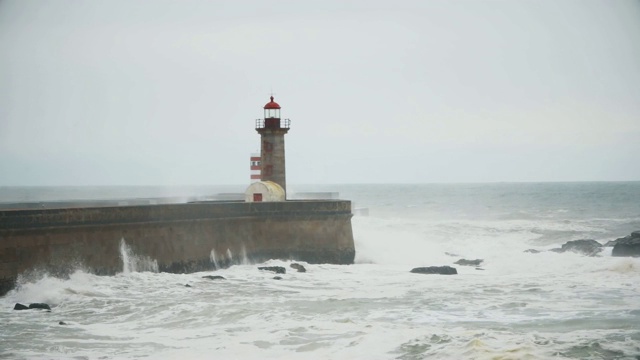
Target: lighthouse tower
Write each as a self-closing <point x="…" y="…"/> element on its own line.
<point x="272" y="130"/>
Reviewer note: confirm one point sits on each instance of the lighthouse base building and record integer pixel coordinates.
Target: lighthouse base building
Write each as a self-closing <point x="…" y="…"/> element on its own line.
<point x="59" y="238"/>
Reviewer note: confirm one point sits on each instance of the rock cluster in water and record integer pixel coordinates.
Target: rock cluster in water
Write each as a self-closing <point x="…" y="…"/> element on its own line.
<point x="275" y="269"/>
<point x="624" y="246"/>
<point x="41" y="306"/>
<point x="465" y="262"/>
<point x="298" y="267"/>
<point x="442" y="270"/>
<point x="587" y="247"/>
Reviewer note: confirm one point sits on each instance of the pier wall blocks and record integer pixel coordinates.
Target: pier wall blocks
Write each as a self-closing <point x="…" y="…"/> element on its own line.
<point x="180" y="237"/>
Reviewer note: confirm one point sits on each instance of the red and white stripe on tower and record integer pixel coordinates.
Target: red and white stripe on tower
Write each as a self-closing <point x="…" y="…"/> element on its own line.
<point x="255" y="167"/>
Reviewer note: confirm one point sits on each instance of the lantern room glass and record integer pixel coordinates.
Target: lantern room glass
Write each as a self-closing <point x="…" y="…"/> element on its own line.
<point x="271" y="113"/>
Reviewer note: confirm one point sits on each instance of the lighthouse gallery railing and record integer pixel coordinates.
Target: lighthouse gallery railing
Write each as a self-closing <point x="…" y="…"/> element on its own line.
<point x="284" y="123"/>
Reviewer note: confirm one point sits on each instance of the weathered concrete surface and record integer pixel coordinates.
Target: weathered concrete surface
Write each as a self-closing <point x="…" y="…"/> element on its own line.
<point x="180" y="237"/>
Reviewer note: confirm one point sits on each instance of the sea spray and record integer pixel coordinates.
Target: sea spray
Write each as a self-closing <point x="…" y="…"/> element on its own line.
<point x="625" y="266"/>
<point x="244" y="260"/>
<point x="214" y="260"/>
<point x="135" y="263"/>
<point x="226" y="260"/>
<point x="55" y="290"/>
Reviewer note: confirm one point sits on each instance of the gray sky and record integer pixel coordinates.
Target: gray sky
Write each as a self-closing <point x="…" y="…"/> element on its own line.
<point x="160" y="92"/>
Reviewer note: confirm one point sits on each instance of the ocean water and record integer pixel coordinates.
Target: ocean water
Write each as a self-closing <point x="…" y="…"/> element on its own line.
<point x="516" y="306"/>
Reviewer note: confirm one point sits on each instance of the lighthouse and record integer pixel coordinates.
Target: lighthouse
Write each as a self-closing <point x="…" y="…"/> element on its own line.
<point x="272" y="130"/>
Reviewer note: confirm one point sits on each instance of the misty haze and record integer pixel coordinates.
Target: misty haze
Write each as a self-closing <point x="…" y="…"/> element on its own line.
<point x="166" y="92"/>
<point x="462" y="179"/>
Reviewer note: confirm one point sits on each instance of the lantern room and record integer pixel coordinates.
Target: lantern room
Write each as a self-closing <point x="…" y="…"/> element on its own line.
<point x="272" y="110"/>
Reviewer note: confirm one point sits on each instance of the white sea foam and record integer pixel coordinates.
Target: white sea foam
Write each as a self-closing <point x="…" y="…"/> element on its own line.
<point x="244" y="260"/>
<point x="522" y="305"/>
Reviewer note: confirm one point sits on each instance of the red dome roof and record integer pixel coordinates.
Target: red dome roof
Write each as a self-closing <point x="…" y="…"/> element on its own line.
<point x="272" y="105"/>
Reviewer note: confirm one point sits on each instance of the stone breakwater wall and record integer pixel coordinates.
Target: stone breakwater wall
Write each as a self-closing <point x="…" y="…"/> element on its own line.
<point x="180" y="237"/>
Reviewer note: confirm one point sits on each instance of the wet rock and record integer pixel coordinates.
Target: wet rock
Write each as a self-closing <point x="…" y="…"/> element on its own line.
<point x="214" y="277"/>
<point x="634" y="235"/>
<point x="532" y="251"/>
<point x="627" y="246"/>
<point x="42" y="306"/>
<point x="187" y="285"/>
<point x="465" y="262"/>
<point x="298" y="267"/>
<point x="442" y="270"/>
<point x="612" y="243"/>
<point x="62" y="323"/>
<point x="19" y="306"/>
<point x="480" y="269"/>
<point x="275" y="269"/>
<point x="585" y="246"/>
<point x="277" y="278"/>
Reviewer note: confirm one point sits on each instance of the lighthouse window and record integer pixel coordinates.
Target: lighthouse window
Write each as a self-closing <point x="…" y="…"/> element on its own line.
<point x="271" y="113"/>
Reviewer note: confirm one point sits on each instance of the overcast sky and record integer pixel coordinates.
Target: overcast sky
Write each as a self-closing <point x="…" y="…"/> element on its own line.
<point x="125" y="92"/>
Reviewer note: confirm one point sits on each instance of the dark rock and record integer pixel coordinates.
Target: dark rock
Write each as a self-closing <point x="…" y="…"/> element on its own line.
<point x="187" y="285"/>
<point x="480" y="269"/>
<point x="465" y="262"/>
<point x="585" y="246"/>
<point x="298" y="267"/>
<point x="532" y="251"/>
<point x="277" y="278"/>
<point x="634" y="235"/>
<point x="442" y="270"/>
<point x="19" y="306"/>
<point x="42" y="306"/>
<point x="614" y="242"/>
<point x="275" y="269"/>
<point x="62" y="323"/>
<point x="39" y="306"/>
<point x="629" y="246"/>
<point x="214" y="277"/>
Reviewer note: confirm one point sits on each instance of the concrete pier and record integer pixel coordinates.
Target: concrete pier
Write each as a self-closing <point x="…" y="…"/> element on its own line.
<point x="180" y="237"/>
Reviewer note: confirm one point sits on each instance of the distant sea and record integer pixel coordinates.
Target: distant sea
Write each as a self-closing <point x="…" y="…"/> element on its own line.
<point x="515" y="305"/>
